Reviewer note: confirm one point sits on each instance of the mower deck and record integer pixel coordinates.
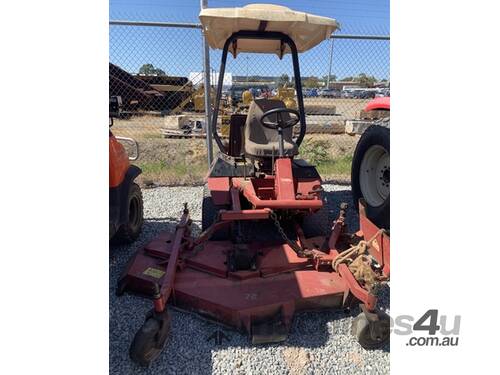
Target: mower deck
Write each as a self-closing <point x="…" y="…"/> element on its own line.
<point x="260" y="301"/>
<point x="281" y="284"/>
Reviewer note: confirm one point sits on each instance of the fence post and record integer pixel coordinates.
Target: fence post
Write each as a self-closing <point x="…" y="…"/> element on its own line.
<point x="330" y="65"/>
<point x="206" y="71"/>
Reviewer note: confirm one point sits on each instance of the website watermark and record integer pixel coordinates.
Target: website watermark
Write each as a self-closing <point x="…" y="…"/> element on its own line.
<point x="430" y="329"/>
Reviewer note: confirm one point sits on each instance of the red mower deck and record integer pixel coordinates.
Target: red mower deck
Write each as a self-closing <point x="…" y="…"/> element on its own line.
<point x="260" y="302"/>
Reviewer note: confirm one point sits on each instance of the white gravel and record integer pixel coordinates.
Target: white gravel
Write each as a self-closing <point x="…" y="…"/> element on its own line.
<point x="319" y="343"/>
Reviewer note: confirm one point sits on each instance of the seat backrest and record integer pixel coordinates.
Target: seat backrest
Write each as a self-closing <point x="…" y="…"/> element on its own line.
<point x="236" y="126"/>
<point x="258" y="135"/>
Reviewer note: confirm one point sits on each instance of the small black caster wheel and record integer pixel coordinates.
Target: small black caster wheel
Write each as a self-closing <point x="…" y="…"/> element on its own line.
<point x="150" y="339"/>
<point x="372" y="334"/>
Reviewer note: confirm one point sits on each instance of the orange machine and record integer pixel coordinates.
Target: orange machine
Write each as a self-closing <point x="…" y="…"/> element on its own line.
<point x="125" y="197"/>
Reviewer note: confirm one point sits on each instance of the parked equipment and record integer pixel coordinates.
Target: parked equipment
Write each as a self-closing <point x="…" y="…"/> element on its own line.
<point x="287" y="95"/>
<point x="125" y="197"/>
<point x="268" y="247"/>
<point x="140" y="93"/>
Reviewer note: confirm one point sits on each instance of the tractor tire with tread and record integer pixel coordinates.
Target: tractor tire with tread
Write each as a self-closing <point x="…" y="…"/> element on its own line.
<point x="374" y="141"/>
<point x="130" y="231"/>
<point x="209" y="212"/>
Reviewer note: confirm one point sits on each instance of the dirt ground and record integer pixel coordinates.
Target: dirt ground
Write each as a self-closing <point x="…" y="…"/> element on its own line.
<point x="167" y="161"/>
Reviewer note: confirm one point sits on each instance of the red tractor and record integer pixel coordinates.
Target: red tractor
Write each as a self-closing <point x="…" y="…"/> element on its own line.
<point x="370" y="174"/>
<point x="268" y="247"/>
<point x="125" y="198"/>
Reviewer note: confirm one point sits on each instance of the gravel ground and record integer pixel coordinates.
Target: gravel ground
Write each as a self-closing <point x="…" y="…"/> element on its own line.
<point x="319" y="343"/>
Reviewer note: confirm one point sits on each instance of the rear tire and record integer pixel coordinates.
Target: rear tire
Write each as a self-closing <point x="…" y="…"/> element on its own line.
<point x="209" y="213"/>
<point x="370" y="174"/>
<point x="130" y="231"/>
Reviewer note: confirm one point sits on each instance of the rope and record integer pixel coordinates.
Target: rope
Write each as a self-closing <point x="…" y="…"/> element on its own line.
<point x="359" y="262"/>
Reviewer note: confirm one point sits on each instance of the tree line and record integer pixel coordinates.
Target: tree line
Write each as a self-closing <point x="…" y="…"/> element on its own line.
<point x="363" y="79"/>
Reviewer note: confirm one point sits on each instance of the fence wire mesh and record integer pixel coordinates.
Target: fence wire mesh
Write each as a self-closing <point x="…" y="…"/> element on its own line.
<point x="156" y="75"/>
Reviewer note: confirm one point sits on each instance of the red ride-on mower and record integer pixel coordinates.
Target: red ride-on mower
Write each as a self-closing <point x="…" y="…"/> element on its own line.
<point x="268" y="248"/>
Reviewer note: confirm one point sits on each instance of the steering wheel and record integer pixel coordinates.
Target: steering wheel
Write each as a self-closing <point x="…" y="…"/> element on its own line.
<point x="280" y="123"/>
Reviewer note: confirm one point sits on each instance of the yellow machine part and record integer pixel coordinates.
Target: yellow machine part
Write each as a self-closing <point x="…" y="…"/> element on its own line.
<point x="247" y="97"/>
<point x="199" y="103"/>
<point x="290" y="103"/>
<point x="199" y="98"/>
<point x="287" y="95"/>
<point x="224" y="128"/>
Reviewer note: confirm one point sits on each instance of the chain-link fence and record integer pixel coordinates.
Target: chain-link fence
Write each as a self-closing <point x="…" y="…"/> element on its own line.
<point x="156" y="76"/>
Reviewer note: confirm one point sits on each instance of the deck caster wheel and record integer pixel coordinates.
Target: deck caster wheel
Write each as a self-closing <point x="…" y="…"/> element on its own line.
<point x="150" y="339"/>
<point x="373" y="333"/>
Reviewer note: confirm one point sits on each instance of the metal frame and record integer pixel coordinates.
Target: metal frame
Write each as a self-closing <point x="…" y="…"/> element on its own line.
<point x="207" y="85"/>
<point x="156" y="24"/>
<point x="270" y="35"/>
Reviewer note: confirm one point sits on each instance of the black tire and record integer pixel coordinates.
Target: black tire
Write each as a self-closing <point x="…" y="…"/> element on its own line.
<point x="145" y="347"/>
<point x="361" y="330"/>
<point x="375" y="135"/>
<point x="209" y="212"/>
<point x="130" y="231"/>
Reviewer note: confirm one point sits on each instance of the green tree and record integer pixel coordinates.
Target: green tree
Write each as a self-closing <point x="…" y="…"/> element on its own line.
<point x="283" y="80"/>
<point x="366" y="80"/>
<point x="333" y="78"/>
<point x="151" y="70"/>
<point x="311" y="82"/>
<point x="362" y="79"/>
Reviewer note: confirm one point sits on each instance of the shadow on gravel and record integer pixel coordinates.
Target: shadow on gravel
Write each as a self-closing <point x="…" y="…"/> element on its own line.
<point x="199" y="346"/>
<point x="333" y="200"/>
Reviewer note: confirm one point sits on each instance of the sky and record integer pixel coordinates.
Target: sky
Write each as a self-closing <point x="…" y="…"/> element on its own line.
<point x="179" y="51"/>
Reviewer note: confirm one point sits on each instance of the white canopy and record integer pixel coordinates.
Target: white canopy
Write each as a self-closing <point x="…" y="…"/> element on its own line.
<point x="305" y="29"/>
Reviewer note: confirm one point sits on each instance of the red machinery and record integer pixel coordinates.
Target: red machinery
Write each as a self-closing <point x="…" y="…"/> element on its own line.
<point x="125" y="197"/>
<point x="267" y="248"/>
<point x="377" y="104"/>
